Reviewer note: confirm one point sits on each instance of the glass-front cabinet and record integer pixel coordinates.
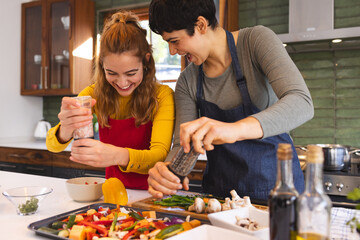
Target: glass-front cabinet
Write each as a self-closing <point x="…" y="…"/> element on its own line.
<point x="57" y="46"/>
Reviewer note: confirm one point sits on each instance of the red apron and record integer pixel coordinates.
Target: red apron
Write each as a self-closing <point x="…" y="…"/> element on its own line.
<point x="124" y="133"/>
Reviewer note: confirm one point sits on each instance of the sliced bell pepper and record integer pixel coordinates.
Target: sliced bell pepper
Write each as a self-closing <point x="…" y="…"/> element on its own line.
<point x="100" y="229"/>
<point x="129" y="234"/>
<point x="104" y="222"/>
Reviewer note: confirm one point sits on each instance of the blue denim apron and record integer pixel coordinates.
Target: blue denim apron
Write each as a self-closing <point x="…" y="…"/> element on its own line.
<point x="249" y="166"/>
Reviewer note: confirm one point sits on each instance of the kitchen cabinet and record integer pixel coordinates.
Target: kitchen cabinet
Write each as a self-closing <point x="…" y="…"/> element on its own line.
<point x="44" y="163"/>
<point x="56" y="46"/>
<point x="196" y="175"/>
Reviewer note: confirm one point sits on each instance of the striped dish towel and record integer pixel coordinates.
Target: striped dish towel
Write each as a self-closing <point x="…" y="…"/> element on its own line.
<point x="339" y="230"/>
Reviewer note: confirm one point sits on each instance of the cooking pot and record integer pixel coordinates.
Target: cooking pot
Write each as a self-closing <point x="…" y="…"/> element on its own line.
<point x="336" y="156"/>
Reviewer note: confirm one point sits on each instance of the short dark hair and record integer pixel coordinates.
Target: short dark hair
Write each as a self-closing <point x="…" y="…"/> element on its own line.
<point x="173" y="15"/>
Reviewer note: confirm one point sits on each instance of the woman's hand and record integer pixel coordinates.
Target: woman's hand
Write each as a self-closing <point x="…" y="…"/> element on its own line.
<point x="162" y="181"/>
<point x="204" y="132"/>
<point x="71" y="117"/>
<point x="97" y="154"/>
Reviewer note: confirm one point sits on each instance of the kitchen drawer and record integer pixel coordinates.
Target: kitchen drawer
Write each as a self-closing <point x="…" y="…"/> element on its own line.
<point x="195" y="186"/>
<point x="72" y="173"/>
<point x="198" y="171"/>
<point x="25" y="156"/>
<point x="11" y="167"/>
<point x="67" y="172"/>
<point x="38" y="170"/>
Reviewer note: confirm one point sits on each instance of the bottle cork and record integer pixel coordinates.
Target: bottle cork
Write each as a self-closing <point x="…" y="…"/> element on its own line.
<point x="314" y="154"/>
<point x="284" y="151"/>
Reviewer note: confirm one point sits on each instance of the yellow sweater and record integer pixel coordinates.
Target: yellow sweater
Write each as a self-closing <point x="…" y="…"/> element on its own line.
<point x="140" y="161"/>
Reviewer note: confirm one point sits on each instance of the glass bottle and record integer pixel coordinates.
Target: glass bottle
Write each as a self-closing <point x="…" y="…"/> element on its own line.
<point x="282" y="198"/>
<point x="314" y="206"/>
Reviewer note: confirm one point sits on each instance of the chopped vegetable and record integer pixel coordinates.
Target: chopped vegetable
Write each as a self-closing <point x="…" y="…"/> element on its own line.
<point x="71" y="221"/>
<point x="63" y="233"/>
<point x="57" y="225"/>
<point x="149" y="214"/>
<point x="100" y="229"/>
<point x="170" y="231"/>
<point x="131" y="227"/>
<point x="29" y="206"/>
<point x="77" y="232"/>
<point x="118" y="223"/>
<point x="112" y="227"/>
<point x="136" y="215"/>
<point x="48" y="230"/>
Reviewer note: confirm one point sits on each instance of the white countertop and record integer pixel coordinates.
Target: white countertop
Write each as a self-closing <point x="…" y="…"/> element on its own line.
<point x="14" y="226"/>
<point x="26" y="142"/>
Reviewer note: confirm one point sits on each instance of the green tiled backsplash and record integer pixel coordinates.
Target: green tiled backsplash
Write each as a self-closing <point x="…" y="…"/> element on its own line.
<point x="332" y="75"/>
<point x="333" y="78"/>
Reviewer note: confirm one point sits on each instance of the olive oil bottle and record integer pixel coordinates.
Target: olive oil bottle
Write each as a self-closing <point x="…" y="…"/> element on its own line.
<point x="282" y="199"/>
<point x="314" y="206"/>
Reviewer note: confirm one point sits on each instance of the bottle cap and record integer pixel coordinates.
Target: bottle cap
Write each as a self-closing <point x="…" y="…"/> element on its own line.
<point x="314" y="154"/>
<point x="284" y="151"/>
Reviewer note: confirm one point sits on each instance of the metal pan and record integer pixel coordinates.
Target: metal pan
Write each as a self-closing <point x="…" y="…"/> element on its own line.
<point x="336" y="156"/>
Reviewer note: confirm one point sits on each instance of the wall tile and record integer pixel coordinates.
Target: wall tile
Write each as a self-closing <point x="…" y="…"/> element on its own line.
<point x="313" y="132"/>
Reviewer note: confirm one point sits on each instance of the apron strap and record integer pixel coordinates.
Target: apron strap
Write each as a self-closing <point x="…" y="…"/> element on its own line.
<point x="240" y="78"/>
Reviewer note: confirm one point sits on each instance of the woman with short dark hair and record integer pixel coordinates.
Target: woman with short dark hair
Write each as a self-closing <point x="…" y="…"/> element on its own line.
<point x="237" y="100"/>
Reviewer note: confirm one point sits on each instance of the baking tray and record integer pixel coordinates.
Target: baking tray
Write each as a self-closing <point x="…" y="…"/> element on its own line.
<point x="47" y="221"/>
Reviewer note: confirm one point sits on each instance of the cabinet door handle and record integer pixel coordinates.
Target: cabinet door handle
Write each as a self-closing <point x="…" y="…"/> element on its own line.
<point x="194" y="185"/>
<point x="35" y="168"/>
<point x="18" y="155"/>
<point x="197" y="170"/>
<point x="7" y="165"/>
<point x="46" y="85"/>
<point x="41" y="77"/>
<point x="93" y="175"/>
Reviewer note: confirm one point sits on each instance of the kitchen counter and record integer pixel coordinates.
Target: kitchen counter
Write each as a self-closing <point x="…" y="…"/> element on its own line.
<point x="26" y="142"/>
<point x="14" y="226"/>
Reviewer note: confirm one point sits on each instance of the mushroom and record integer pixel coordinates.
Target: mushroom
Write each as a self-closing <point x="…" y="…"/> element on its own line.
<point x="198" y="206"/>
<point x="235" y="196"/>
<point x="247" y="202"/>
<point x="226" y="205"/>
<point x="213" y="206"/>
<point x="242" y="222"/>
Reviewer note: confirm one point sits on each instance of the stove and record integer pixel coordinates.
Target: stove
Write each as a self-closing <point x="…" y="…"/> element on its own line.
<point x="337" y="184"/>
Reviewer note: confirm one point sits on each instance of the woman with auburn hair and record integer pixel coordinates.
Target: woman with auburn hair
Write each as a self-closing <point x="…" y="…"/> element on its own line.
<point x="135" y="113"/>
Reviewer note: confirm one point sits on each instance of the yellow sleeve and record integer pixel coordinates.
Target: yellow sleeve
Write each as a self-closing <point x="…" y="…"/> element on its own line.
<point x="140" y="161"/>
<point x="52" y="143"/>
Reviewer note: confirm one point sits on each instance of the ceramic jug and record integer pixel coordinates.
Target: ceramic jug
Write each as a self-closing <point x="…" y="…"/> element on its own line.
<point x="41" y="130"/>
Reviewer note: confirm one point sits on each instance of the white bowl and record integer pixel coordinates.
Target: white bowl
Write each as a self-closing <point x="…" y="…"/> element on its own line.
<point x="208" y="232"/>
<point x="226" y="219"/>
<point x="85" y="189"/>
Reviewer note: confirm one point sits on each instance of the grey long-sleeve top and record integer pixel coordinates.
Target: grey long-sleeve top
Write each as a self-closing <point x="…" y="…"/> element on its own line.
<point x="275" y="85"/>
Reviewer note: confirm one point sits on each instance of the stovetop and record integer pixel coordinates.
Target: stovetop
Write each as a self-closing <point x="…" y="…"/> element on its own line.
<point x="340" y="183"/>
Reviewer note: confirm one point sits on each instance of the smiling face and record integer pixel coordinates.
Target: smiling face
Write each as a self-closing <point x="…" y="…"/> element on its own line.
<point x="123" y="71"/>
<point x="192" y="47"/>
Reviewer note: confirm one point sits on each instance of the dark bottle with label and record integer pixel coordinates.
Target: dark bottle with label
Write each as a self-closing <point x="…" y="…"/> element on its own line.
<point x="282" y="199"/>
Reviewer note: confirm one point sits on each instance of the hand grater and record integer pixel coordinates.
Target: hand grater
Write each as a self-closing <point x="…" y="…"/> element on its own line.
<point x="182" y="163"/>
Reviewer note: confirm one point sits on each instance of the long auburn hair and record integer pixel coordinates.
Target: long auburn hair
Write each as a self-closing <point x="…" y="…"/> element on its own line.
<point x="122" y="33"/>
